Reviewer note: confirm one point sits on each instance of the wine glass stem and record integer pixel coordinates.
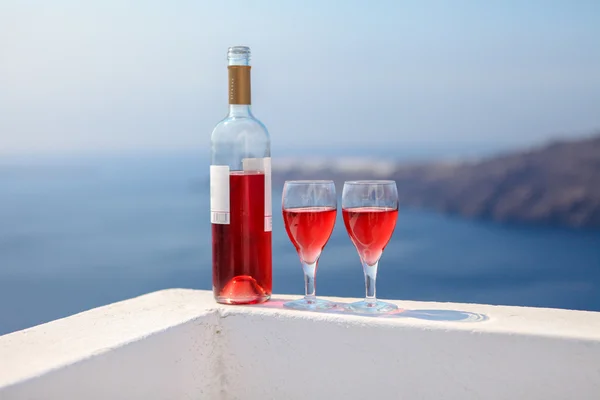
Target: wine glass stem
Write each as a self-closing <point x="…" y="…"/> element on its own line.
<point x="370" y="279"/>
<point x="309" y="280"/>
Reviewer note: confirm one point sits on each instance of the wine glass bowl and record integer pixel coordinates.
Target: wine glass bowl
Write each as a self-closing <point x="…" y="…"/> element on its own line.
<point x="370" y="211"/>
<point x="309" y="211"/>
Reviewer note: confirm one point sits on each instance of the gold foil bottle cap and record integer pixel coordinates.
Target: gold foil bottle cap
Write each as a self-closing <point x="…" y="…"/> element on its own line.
<point x="238" y="58"/>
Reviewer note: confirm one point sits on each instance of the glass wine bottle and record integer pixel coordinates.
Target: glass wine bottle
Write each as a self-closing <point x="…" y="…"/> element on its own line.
<point x="240" y="195"/>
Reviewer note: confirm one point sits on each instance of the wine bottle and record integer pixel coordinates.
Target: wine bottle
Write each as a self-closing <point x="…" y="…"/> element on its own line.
<point x="240" y="195"/>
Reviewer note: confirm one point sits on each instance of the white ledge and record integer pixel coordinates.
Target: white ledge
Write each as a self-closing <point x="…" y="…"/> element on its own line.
<point x="180" y="344"/>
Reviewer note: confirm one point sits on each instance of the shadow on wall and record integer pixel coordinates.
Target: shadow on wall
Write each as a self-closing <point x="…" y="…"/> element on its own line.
<point x="428" y="315"/>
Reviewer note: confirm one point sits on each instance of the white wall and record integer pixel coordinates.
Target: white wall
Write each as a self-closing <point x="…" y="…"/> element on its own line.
<point x="264" y="352"/>
<point x="360" y="360"/>
<point x="158" y="346"/>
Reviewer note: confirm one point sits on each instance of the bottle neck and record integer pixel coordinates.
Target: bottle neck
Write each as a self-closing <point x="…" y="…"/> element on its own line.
<point x="239" y="110"/>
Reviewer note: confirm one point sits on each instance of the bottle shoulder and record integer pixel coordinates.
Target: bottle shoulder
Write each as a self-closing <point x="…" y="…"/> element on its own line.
<point x="232" y="126"/>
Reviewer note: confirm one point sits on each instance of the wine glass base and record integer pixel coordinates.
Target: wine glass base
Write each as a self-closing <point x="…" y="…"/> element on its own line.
<point x="372" y="307"/>
<point x="312" y="305"/>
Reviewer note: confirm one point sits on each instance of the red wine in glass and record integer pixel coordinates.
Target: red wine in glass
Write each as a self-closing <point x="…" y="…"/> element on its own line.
<point x="370" y="210"/>
<point x="309" y="229"/>
<point x="370" y="229"/>
<point x="309" y="209"/>
<point x="242" y="249"/>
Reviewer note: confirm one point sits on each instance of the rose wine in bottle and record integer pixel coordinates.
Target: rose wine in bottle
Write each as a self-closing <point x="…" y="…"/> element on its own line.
<point x="240" y="195"/>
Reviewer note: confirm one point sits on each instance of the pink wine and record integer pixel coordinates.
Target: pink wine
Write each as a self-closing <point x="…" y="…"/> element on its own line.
<point x="309" y="229"/>
<point x="240" y="194"/>
<point x="370" y="229"/>
<point x="242" y="249"/>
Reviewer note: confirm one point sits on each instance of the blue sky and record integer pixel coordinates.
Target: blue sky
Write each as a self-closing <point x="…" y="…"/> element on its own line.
<point x="121" y="75"/>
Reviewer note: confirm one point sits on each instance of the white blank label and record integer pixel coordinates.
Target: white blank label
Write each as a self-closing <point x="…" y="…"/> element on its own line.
<point x="268" y="194"/>
<point x="219" y="194"/>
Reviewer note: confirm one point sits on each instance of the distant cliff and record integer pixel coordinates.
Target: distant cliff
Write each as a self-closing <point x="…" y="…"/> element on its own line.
<point x="558" y="184"/>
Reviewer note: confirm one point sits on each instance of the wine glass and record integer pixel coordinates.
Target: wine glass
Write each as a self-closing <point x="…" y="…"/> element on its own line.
<point x="309" y="211"/>
<point x="370" y="210"/>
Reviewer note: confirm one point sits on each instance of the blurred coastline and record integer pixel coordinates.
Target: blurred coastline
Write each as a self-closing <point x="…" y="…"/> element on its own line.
<point x="557" y="184"/>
